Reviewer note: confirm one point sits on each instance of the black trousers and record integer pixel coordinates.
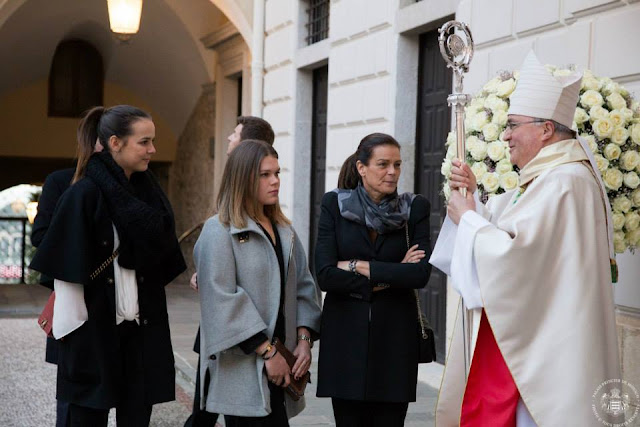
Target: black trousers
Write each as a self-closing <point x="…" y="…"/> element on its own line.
<point x="277" y="417"/>
<point x="131" y="411"/>
<point x="353" y="413"/>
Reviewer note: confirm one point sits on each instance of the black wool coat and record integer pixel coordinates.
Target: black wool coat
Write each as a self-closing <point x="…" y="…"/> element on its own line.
<point x="369" y="346"/>
<point x="79" y="239"/>
<point x="54" y="186"/>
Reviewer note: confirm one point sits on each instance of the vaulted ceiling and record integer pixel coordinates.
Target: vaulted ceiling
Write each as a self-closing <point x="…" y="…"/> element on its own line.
<point x="165" y="63"/>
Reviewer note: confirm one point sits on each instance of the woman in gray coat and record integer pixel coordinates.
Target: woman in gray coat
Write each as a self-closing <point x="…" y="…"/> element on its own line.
<point x="255" y="286"/>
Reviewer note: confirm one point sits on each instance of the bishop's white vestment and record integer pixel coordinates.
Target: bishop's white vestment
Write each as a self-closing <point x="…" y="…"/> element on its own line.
<point x="537" y="261"/>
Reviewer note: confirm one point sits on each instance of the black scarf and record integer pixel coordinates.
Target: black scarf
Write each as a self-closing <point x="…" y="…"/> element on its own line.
<point x="389" y="215"/>
<point x="138" y="208"/>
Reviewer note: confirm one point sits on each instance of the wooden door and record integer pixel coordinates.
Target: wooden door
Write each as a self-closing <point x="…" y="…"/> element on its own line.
<point x="318" y="153"/>
<point x="433" y="123"/>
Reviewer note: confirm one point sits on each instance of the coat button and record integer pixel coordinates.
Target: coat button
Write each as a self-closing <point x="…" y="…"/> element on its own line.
<point x="105" y="243"/>
<point x="145" y="322"/>
<point x="110" y="280"/>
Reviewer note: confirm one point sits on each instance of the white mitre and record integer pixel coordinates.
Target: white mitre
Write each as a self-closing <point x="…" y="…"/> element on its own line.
<point x="541" y="94"/>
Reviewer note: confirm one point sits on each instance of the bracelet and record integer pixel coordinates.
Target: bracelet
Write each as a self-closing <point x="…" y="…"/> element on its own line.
<point x="352" y="266"/>
<point x="275" y="351"/>
<point x="307" y="338"/>
<point x="266" y="350"/>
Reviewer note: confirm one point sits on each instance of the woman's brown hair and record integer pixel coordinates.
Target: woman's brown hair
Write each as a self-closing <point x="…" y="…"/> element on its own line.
<point x="237" y="198"/>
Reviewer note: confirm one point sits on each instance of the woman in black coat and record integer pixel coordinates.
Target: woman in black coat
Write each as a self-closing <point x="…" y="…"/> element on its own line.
<point x="111" y="249"/>
<point x="369" y="353"/>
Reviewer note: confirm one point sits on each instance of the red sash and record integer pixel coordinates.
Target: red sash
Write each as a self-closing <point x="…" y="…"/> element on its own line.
<point x="491" y="396"/>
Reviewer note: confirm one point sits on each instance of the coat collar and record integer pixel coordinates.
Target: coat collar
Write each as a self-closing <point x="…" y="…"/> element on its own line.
<point x="285" y="232"/>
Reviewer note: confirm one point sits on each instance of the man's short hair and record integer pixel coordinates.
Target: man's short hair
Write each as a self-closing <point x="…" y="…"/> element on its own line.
<point x="256" y="128"/>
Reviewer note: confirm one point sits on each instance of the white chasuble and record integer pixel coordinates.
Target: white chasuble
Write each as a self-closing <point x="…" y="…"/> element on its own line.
<point x="543" y="273"/>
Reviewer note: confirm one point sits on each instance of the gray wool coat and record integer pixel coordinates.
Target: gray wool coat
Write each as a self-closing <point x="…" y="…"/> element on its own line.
<point x="239" y="286"/>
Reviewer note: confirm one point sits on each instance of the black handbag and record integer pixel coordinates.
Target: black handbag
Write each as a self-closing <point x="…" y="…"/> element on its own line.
<point x="426" y="339"/>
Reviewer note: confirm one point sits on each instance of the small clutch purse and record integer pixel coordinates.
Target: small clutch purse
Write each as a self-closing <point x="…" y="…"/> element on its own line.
<point x="296" y="387"/>
<point x="45" y="321"/>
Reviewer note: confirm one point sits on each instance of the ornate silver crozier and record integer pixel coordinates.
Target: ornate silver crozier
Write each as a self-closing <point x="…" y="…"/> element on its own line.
<point x="456" y="47"/>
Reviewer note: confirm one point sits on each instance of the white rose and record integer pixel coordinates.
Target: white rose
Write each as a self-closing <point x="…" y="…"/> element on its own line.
<point x="451" y="138"/>
<point x="622" y="204"/>
<point x="495" y="103"/>
<point x="609" y="86"/>
<point x="591" y="98"/>
<point x="598" y="112"/>
<point x="618" y="221"/>
<point x="619" y="242"/>
<point x="445" y="169"/>
<point x="616" y="101"/>
<point x="479" y="169"/>
<point x="507" y="155"/>
<point x="627" y="113"/>
<point x="505" y="88"/>
<point x="632" y="221"/>
<point x="490" y="182"/>
<point x="602" y="163"/>
<point x="631" y="180"/>
<point x="446" y="190"/>
<point x="491" y="131"/>
<point x="492" y="85"/>
<point x="590" y="83"/>
<point x="618" y="117"/>
<point x="635" y="198"/>
<point x="451" y="152"/>
<point x="591" y="141"/>
<point x="479" y="152"/>
<point x="612" y="152"/>
<point x="479" y="120"/>
<point x="619" y="135"/>
<point x="516" y="75"/>
<point x="495" y="150"/>
<point x="633" y="237"/>
<point x="580" y="116"/>
<point x="612" y="178"/>
<point x="629" y="160"/>
<point x="635" y="133"/>
<point x="468" y="119"/>
<point x="500" y="118"/>
<point x="509" y="180"/>
<point x="472" y="142"/>
<point x="503" y="166"/>
<point x="602" y="128"/>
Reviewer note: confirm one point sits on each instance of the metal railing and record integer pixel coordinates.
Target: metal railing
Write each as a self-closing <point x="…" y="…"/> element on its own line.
<point x="318" y="23"/>
<point x="13" y="250"/>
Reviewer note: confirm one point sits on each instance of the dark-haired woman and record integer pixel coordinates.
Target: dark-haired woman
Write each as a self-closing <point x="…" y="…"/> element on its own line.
<point x="111" y="249"/>
<point x="369" y="354"/>
<point x="255" y="287"/>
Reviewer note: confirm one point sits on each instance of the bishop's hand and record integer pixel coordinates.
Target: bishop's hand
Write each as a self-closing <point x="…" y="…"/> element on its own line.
<point x="459" y="204"/>
<point x="462" y="177"/>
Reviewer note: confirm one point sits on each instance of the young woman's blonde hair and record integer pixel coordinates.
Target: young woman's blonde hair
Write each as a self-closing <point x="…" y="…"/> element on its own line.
<point x="237" y="198"/>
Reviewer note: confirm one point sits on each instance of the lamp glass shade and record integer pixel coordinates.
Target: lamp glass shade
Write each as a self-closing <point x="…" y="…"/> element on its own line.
<point x="124" y="16"/>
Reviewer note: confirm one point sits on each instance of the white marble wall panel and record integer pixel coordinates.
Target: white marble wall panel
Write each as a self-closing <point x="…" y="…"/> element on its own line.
<point x="491" y="20"/>
<point x="478" y="73"/>
<point x="569" y="45"/>
<point x="615" y="42"/>
<point x="463" y="13"/>
<point x="509" y="57"/>
<point x="279" y="115"/>
<point x="530" y="15"/>
<point x="278" y="12"/>
<point x="583" y="6"/>
<point x="279" y="46"/>
<point x="278" y="83"/>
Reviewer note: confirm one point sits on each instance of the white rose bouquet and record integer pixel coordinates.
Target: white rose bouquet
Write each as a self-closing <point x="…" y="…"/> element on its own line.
<point x="606" y="116"/>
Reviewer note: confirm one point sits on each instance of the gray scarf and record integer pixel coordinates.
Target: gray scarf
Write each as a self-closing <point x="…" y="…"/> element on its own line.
<point x="389" y="215"/>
